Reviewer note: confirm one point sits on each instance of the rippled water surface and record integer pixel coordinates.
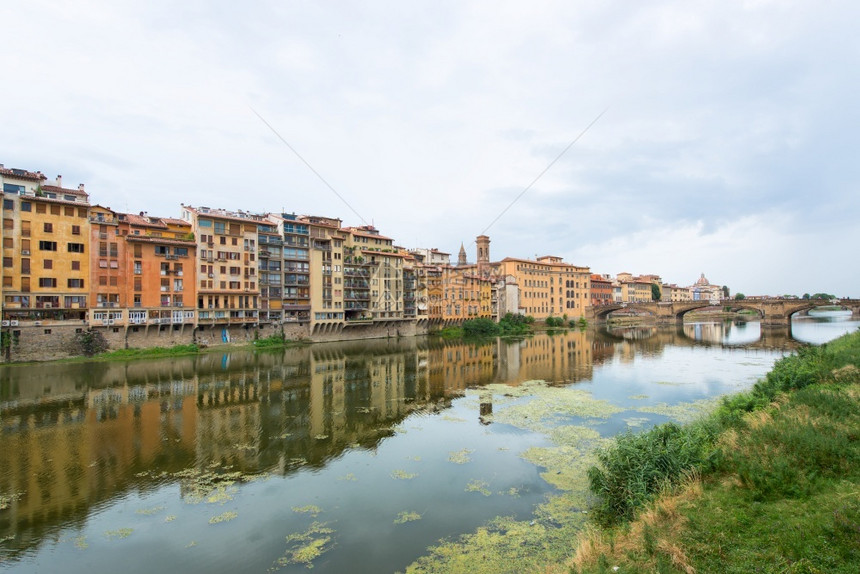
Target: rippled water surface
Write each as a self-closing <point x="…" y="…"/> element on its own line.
<point x="349" y="457"/>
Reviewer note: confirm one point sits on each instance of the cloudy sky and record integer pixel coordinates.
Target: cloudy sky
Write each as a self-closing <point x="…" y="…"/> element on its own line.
<point x="728" y="144"/>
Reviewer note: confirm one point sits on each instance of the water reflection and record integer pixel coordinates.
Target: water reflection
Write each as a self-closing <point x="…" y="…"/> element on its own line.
<point x="79" y="437"/>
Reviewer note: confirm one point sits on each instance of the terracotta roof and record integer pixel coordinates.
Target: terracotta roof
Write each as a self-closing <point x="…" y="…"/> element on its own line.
<point x="23" y="174"/>
<point x="144" y="221"/>
<point x="56" y="189"/>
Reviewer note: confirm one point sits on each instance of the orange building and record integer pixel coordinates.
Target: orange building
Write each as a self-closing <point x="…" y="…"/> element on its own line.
<point x="601" y="290"/>
<point x="160" y="270"/>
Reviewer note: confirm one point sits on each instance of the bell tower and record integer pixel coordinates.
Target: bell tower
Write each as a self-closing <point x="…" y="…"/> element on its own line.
<point x="483" y="242"/>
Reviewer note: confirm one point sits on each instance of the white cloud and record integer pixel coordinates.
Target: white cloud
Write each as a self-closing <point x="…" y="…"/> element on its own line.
<point x="725" y="121"/>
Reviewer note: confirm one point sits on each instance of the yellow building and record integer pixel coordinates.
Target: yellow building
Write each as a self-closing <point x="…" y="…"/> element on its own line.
<point x="45" y="237"/>
<point x="548" y="287"/>
<point x="465" y="295"/>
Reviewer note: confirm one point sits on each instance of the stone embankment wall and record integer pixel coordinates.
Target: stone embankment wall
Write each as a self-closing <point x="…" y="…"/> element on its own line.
<point x="48" y="342"/>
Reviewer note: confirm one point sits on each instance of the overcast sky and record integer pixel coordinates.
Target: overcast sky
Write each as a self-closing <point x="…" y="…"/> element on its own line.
<point x="728" y="144"/>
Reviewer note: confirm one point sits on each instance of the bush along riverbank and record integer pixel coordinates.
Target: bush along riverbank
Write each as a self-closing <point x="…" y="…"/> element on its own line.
<point x="509" y="325"/>
<point x="769" y="481"/>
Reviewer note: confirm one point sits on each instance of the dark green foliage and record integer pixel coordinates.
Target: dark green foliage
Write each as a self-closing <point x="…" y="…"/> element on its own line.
<point x="89" y="343"/>
<point x="480" y="328"/>
<point x="740" y="296"/>
<point x="637" y="466"/>
<point x="276" y="340"/>
<point x="554" y="322"/>
<point x="655" y="292"/>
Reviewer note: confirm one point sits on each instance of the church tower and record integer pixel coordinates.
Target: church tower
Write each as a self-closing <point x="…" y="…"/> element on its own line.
<point x="461" y="258"/>
<point x="483" y="249"/>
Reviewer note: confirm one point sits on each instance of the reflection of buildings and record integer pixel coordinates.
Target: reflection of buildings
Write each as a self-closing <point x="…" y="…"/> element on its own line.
<point x="74" y="436"/>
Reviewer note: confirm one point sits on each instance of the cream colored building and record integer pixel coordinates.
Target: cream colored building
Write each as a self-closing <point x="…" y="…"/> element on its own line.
<point x="228" y="291"/>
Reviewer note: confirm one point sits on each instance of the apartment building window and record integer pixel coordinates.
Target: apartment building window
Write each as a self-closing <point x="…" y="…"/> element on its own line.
<point x="138" y="251"/>
<point x="7" y="262"/>
<point x="138" y="267"/>
<point x="26" y="206"/>
<point x="138" y="285"/>
<point x="75" y="247"/>
<point x="40" y="208"/>
<point x="48" y="264"/>
<point x="220" y="227"/>
<point x="8" y="243"/>
<point x="48" y="227"/>
<point x="8" y="224"/>
<point x="47" y="282"/>
<point x="55" y="210"/>
<point x="68" y="210"/>
<point x="76" y="229"/>
<point x="102" y="279"/>
<point x="76" y="283"/>
<point x="47" y="246"/>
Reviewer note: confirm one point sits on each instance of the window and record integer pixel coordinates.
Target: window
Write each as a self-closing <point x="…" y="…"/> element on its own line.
<point x="40" y="208"/>
<point x="47" y="246"/>
<point x="48" y="263"/>
<point x="8" y="224"/>
<point x="47" y="282"/>
<point x="220" y="227"/>
<point x="76" y="283"/>
<point x="138" y="267"/>
<point x="76" y="229"/>
<point x="7" y="262"/>
<point x="12" y="188"/>
<point x="76" y="247"/>
<point x="8" y="204"/>
<point x="76" y="265"/>
<point x="181" y="251"/>
<point x="26" y="206"/>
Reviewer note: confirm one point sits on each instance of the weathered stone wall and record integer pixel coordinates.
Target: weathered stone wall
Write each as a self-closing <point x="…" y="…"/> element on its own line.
<point x="56" y="340"/>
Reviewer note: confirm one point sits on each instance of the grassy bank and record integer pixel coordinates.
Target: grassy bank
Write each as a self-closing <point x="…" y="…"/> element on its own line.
<point x="770" y="482"/>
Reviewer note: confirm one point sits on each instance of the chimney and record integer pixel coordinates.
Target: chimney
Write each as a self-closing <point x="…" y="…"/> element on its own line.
<point x="80" y="187"/>
<point x="59" y="181"/>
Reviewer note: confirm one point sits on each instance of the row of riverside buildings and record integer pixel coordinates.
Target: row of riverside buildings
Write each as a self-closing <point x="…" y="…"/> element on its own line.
<point x="68" y="260"/>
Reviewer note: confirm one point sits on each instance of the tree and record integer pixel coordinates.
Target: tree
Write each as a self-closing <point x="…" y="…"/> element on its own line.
<point x="655" y="292"/>
<point x="740" y="296"/>
<point x="805" y="296"/>
<point x="726" y="293"/>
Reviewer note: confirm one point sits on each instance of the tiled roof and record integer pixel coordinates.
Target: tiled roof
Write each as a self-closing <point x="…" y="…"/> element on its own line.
<point x="23" y="174"/>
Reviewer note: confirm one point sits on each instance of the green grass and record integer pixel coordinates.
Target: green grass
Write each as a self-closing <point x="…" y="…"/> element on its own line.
<point x="176" y="350"/>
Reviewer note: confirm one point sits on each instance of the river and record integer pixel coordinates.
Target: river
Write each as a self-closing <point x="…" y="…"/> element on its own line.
<point x="351" y="457"/>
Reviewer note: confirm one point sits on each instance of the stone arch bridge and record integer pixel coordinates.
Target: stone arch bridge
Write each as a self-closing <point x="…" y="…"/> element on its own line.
<point x="771" y="311"/>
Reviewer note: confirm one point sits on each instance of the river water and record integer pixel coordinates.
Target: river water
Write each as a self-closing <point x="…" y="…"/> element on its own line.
<point x="351" y="457"/>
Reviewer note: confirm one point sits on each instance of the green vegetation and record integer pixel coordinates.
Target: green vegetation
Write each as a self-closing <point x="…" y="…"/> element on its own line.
<point x="656" y="295"/>
<point x="272" y="341"/>
<point x="740" y="296"/>
<point x="767" y="483"/>
<point x="176" y="350"/>
<point x="510" y="324"/>
<point x="825" y="296"/>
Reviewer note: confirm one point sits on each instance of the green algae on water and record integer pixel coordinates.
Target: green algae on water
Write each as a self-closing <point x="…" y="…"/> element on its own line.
<point x="309" y="509"/>
<point x="119" y="533"/>
<point x="460" y="456"/>
<point x="305" y="547"/>
<point x="403" y="475"/>
<point x="223" y="517"/>
<point x="149" y="511"/>
<point x="478" y="485"/>
<point x="683" y="412"/>
<point x="350" y="476"/>
<point x="406" y="516"/>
